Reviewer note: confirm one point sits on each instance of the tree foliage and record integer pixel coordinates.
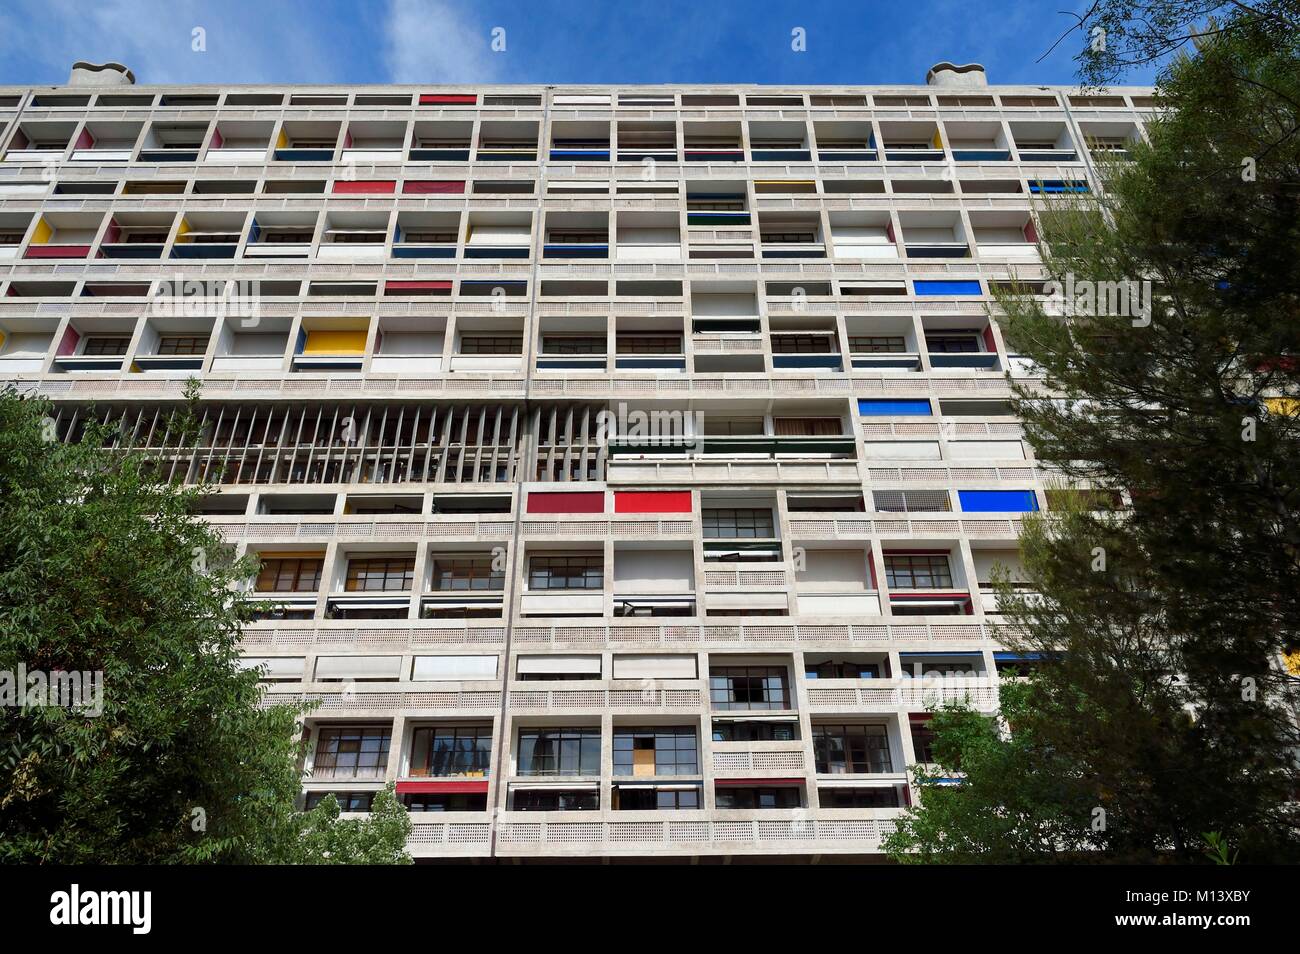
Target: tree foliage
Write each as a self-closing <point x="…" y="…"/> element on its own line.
<point x="104" y="569"/>
<point x="1165" y="711"/>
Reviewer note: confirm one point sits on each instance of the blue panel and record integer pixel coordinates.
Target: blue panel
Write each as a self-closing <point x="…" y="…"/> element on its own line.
<point x="889" y="407"/>
<point x="1017" y="657"/>
<point x="997" y="501"/>
<point x="942" y="288"/>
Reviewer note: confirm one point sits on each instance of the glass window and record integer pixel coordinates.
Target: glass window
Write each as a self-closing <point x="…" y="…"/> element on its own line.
<point x="729" y="523"/>
<point x="491" y="344"/>
<point x="749" y="687"/>
<point x="649" y="344"/>
<point x="566" y="573"/>
<point x="923" y="742"/>
<point x="755" y="731"/>
<point x="183" y="344"/>
<point x="382" y="574"/>
<point x="451" y="750"/>
<point x="352" y="751"/>
<point x="843" y="749"/>
<point x="877" y="344"/>
<point x="564" y="801"/>
<point x="436" y="802"/>
<point x="858" y="797"/>
<point x="467" y="573"/>
<point x="952" y="344"/>
<point x="783" y="797"/>
<point x="289" y="576"/>
<point x="348" y="801"/>
<point x="925" y="571"/>
<point x="843" y="670"/>
<point x="567" y="751"/>
<point x="102" y="346"/>
<point x="652" y="799"/>
<point x="660" y="750"/>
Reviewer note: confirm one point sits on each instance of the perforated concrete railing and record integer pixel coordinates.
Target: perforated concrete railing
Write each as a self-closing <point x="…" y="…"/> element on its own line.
<point x="259" y="529"/>
<point x="726" y="763"/>
<point x="855" y="529"/>
<point x="981" y="694"/>
<point x="449" y="837"/>
<point x="712" y="835"/>
<point x="292" y="637"/>
<point x="572" y="700"/>
<point x="356" y="703"/>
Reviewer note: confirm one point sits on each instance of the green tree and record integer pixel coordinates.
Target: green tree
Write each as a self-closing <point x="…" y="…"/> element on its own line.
<point x="1164" y="703"/>
<point x="104" y="569"/>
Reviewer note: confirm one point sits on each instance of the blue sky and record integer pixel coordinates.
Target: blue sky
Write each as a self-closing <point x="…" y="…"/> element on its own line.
<point x="616" y="41"/>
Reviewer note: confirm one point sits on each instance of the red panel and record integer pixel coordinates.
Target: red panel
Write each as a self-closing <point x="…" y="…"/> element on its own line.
<point x="365" y="187"/>
<point x="69" y="343"/>
<point x="1031" y="233"/>
<point x="988" y="338"/>
<point x="755" y="782"/>
<point x="433" y="187"/>
<point x="57" y="251"/>
<point x="443" y="788"/>
<point x="448" y="99"/>
<point x="85" y="140"/>
<point x="416" y="287"/>
<point x="653" y="501"/>
<point x="593" y="502"/>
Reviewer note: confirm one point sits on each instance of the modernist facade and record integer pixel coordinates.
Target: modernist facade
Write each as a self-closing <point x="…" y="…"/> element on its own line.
<point x="627" y="465"/>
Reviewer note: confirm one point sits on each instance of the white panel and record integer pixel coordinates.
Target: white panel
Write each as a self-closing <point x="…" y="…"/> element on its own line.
<point x="832" y="571"/>
<point x="267" y="344"/>
<point x="1020" y="250"/>
<point x="853" y="250"/>
<point x="725" y="304"/>
<point x="276" y="667"/>
<point x="634" y="234"/>
<point x="232" y="157"/>
<point x="986" y="450"/>
<point x="25" y="344"/>
<point x="403" y="342"/>
<point x="243" y="363"/>
<point x="103" y="155"/>
<point x="346" y="251"/>
<point x="902" y="450"/>
<point x="865" y="604"/>
<point x="726" y="601"/>
<point x="372" y="155"/>
<point x="559" y="665"/>
<point x="399" y="364"/>
<point x="647" y="253"/>
<point x="358" y="667"/>
<point x="644" y="572"/>
<point x="23" y="188"/>
<point x="576" y="99"/>
<point x="500" y="235"/>
<point x="985" y="560"/>
<point x="477" y="362"/>
<point x="562" y="603"/>
<point x="454" y="667"/>
<point x="656" y="667"/>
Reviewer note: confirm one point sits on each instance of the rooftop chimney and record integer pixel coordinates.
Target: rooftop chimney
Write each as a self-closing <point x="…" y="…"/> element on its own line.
<point x="958" y="77"/>
<point x="100" y="74"/>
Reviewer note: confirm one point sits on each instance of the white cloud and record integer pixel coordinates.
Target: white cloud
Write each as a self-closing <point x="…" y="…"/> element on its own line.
<point x="428" y="41"/>
<point x="246" y="42"/>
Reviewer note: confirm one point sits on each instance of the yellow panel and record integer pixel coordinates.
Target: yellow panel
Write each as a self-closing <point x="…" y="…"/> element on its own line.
<point x="938" y="142"/>
<point x="1288" y="407"/>
<point x="283" y="141"/>
<point x="2" y="340"/>
<point x="184" y="228"/>
<point x="335" y="342"/>
<point x="43" y="232"/>
<point x="1292" y="662"/>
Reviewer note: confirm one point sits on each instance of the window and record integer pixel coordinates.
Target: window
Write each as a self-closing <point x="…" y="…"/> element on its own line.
<point x="858" y="797"/>
<point x="655" y="799"/>
<point x="843" y="749"/>
<point x="952" y="344"/>
<point x="288" y="575"/>
<point x="749" y="687"/>
<point x="789" y="238"/>
<point x="662" y="750"/>
<point x="468" y="573"/>
<point x="806" y="426"/>
<point x="383" y="573"/>
<point x="348" y="801"/>
<point x="566" y="573"/>
<point x="352" y="751"/>
<point x="183" y="344"/>
<point x="441" y="802"/>
<point x="738" y="524"/>
<point x="568" y="751"/>
<point x="803" y="344"/>
<point x="923" y="742"/>
<point x="755" y="731"/>
<point x="877" y="344"/>
<point x="565" y="801"/>
<point x="749" y="798"/>
<point x="924" y="571"/>
<point x="572" y="344"/>
<point x="843" y="670"/>
<point x="429" y="238"/>
<point x="451" y="750"/>
<point x="101" y="346"/>
<point x="649" y="344"/>
<point x="491" y="344"/>
<point x="911" y="501"/>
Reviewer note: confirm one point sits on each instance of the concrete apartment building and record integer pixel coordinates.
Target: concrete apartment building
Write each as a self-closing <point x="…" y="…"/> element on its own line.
<point x="627" y="464"/>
